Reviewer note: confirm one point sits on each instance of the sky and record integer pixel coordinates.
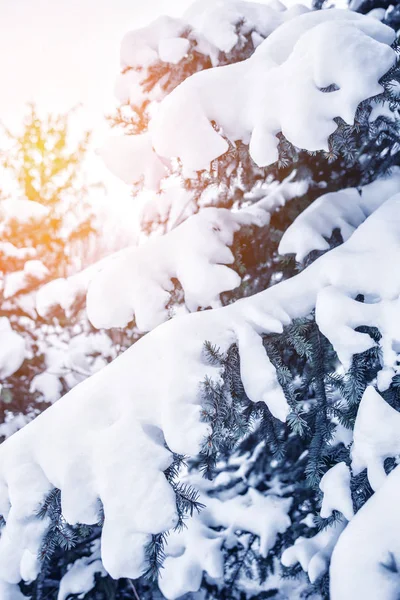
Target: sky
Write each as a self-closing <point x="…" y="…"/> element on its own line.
<point x="64" y="53"/>
<point x="60" y="53"/>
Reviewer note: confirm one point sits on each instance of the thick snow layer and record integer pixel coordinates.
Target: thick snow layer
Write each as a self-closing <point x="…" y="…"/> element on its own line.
<point x="309" y="52"/>
<point x="132" y="159"/>
<point x="252" y="100"/>
<point x="376" y="437"/>
<point x="365" y="561"/>
<point x="173" y="50"/>
<point x="344" y="210"/>
<point x="11" y="592"/>
<point x="63" y="292"/>
<point x="121" y="417"/>
<point x="213" y="26"/>
<point x="137" y="281"/>
<point x="48" y="385"/>
<point x="335" y="486"/>
<point x="80" y="578"/>
<point x="139" y="48"/>
<point x="12" y="349"/>
<point x="314" y="554"/>
<point x="194" y="253"/>
<point x="197" y="548"/>
<point x="218" y="21"/>
<point x="280" y="43"/>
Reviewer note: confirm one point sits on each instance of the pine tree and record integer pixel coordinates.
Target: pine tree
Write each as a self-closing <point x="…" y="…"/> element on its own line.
<point x="277" y="398"/>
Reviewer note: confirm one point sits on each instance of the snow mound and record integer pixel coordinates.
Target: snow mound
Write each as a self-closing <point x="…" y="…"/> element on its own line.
<point x="218" y="21"/>
<point x="366" y="558"/>
<point x="299" y="59"/>
<point x="313" y="554"/>
<point x="344" y="210"/>
<point x="80" y="578"/>
<point x="132" y="159"/>
<point x="197" y="548"/>
<point x="335" y="485"/>
<point x="254" y="113"/>
<point x="212" y="26"/>
<point x="376" y="437"/>
<point x="137" y="281"/>
<point x="22" y="210"/>
<point x="12" y="349"/>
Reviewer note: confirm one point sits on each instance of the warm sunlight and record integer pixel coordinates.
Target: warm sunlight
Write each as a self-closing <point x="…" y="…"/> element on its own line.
<point x="199" y="300"/>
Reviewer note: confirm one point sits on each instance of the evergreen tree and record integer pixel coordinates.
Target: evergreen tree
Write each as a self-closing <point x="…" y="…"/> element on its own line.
<point x="222" y="456"/>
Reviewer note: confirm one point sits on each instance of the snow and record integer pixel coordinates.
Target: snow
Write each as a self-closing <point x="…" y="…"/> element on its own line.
<point x="173" y="50"/>
<point x="197" y="548"/>
<point x="21" y="210"/>
<point x="80" y="578"/>
<point x="8" y="250"/>
<point x="11" y="592"/>
<point x="366" y="558"/>
<point x="280" y="43"/>
<point x="364" y="562"/>
<point x="63" y="292"/>
<point x="314" y="554"/>
<point x="195" y="253"/>
<point x="137" y="281"/>
<point x="34" y="271"/>
<point x="217" y="20"/>
<point x="140" y="48"/>
<point x="300" y="57"/>
<point x="12" y="349"/>
<point x="121" y="416"/>
<point x="376" y="437"/>
<point x="48" y="385"/>
<point x="251" y="101"/>
<point x="335" y="485"/>
<point x="132" y="159"/>
<point x="213" y="27"/>
<point x="344" y="210"/>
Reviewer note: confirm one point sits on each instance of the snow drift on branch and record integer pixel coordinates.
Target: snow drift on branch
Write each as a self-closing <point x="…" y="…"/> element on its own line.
<point x="365" y="562"/>
<point x="252" y="100"/>
<point x="344" y="210"/>
<point x="122" y="417"/>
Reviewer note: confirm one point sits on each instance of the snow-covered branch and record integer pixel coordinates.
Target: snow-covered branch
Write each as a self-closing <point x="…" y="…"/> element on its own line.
<point x="121" y="418"/>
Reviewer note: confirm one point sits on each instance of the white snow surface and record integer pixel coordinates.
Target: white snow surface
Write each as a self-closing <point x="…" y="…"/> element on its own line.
<point x="376" y="437"/>
<point x="11" y="592"/>
<point x="365" y="560"/>
<point x="137" y="281"/>
<point x="80" y="578"/>
<point x="120" y="417"/>
<point x="213" y="26"/>
<point x="197" y="548"/>
<point x="217" y="20"/>
<point x="8" y="250"/>
<point x="195" y="253"/>
<point x="314" y="554"/>
<point x="344" y="210"/>
<point x="335" y="485"/>
<point x="132" y="159"/>
<point x="12" y="349"/>
<point x="251" y="100"/>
